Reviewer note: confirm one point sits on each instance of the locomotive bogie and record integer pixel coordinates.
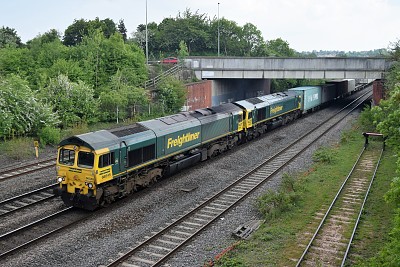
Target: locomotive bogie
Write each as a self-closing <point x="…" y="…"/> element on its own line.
<point x="97" y="168"/>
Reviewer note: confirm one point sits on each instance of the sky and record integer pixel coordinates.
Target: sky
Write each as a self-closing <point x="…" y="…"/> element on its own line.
<point x="307" y="25"/>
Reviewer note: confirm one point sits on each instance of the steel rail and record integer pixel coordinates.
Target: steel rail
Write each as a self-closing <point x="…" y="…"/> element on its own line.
<point x="361" y="210"/>
<point x="329" y="209"/>
<point x="192" y="213"/>
<point x="32" y="224"/>
<point x="41" y="236"/>
<point x="4" y="210"/>
<point x="29" y="168"/>
<point x="332" y="205"/>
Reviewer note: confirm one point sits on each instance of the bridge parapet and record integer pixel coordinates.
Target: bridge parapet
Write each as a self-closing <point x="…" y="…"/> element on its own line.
<point x="281" y="68"/>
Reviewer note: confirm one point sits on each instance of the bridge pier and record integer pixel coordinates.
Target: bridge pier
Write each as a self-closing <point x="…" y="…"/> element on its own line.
<point x="229" y="90"/>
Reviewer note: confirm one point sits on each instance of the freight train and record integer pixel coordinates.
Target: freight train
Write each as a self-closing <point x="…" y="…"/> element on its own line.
<point x="96" y="168"/>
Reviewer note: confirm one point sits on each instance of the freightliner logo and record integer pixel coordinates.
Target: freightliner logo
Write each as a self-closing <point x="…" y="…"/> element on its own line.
<point x="180" y="140"/>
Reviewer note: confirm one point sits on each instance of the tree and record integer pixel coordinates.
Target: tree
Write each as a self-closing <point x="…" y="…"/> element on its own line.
<point x="171" y="94"/>
<point x="75" y="33"/>
<point x="253" y="42"/>
<point x="183" y="50"/>
<point x="230" y="33"/>
<point x="69" y="68"/>
<point x="386" y="118"/>
<point x="9" y="38"/>
<point x="280" y="48"/>
<point x="139" y="37"/>
<point x="122" y="29"/>
<point x="73" y="102"/>
<point x="101" y="58"/>
<point x="16" y="61"/>
<point x="48" y="37"/>
<point x="121" y="96"/>
<point x="45" y="51"/>
<point x="21" y="112"/>
<point x="394" y="51"/>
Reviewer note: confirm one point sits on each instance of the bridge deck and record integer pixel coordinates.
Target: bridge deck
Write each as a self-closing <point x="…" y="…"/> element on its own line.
<point x="281" y="68"/>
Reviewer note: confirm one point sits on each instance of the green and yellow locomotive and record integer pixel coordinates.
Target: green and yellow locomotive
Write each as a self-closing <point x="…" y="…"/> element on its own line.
<point x="96" y="168"/>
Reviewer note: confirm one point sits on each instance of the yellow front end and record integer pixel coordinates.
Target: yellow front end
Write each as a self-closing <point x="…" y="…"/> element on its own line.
<point x="75" y="169"/>
<point x="76" y="174"/>
<point x="240" y="121"/>
<point x="248" y="119"/>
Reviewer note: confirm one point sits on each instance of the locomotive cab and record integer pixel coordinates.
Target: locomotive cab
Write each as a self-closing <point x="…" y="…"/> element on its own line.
<point x="76" y="176"/>
<point x="79" y="172"/>
<point x="75" y="169"/>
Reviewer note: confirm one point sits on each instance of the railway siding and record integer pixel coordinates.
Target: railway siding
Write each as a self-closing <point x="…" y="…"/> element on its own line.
<point x="328" y="245"/>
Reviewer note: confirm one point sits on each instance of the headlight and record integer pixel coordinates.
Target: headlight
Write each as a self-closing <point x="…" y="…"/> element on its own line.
<point x="60" y="179"/>
<point x="90" y="185"/>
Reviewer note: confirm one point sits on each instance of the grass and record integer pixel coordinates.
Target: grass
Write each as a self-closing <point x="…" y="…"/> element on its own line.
<point x="277" y="241"/>
<point x="21" y="148"/>
<point x="18" y="148"/>
<point x="377" y="219"/>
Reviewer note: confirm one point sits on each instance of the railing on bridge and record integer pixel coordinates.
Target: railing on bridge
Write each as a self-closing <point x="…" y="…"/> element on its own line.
<point x="156" y="80"/>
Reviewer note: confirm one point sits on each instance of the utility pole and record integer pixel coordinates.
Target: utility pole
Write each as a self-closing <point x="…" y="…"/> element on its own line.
<point x="147" y="43"/>
<point x="218" y="29"/>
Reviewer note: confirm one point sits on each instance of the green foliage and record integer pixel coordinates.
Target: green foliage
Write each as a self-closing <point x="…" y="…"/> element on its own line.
<point x="367" y="119"/>
<point x="171" y="94"/>
<point x="394" y="51"/>
<point x="48" y="37"/>
<point x="230" y="262"/>
<point x="325" y="155"/>
<point x="72" y="101"/>
<point x="121" y="97"/>
<point x="101" y="58"/>
<point x="386" y="118"/>
<point x="20" y="112"/>
<point x="79" y="128"/>
<point x="16" y="61"/>
<point x="274" y="203"/>
<point x="76" y="32"/>
<point x="68" y="68"/>
<point x="280" y="48"/>
<point x="49" y="136"/>
<point x="183" y="50"/>
<point x="122" y="29"/>
<point x="199" y="33"/>
<point x="253" y="42"/>
<point x="69" y="79"/>
<point x="18" y="148"/>
<point x="389" y="256"/>
<point x="9" y="38"/>
<point x="393" y="195"/>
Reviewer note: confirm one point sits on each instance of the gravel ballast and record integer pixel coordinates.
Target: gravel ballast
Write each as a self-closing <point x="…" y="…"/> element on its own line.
<point x="114" y="229"/>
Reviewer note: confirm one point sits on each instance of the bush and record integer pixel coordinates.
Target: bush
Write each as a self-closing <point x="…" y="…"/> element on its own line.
<point x="273" y="203"/>
<point x="367" y="119"/>
<point x="324" y="155"/>
<point x="79" y="128"/>
<point x="49" y="136"/>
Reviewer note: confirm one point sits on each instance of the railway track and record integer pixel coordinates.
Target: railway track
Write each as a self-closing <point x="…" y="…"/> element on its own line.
<point x="330" y="244"/>
<point x="28" y="168"/>
<point x="19" y="238"/>
<point x="158" y="247"/>
<point x="26" y="200"/>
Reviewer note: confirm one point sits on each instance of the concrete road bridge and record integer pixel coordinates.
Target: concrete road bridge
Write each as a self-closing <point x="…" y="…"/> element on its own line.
<point x="236" y="78"/>
<point x="287" y="68"/>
